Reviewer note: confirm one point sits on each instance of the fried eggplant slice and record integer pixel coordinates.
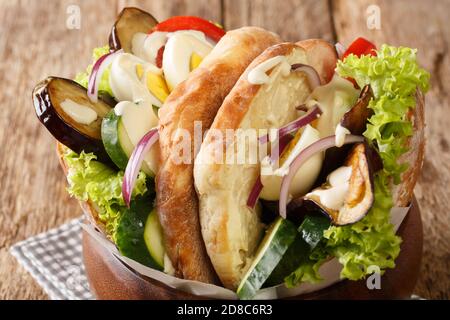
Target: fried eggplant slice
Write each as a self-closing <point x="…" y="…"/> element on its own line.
<point x="348" y="194"/>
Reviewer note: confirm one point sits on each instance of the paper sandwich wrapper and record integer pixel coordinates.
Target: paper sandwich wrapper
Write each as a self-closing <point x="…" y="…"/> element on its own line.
<point x="330" y="271"/>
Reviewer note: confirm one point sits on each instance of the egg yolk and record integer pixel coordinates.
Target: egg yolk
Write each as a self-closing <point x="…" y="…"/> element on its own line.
<point x="195" y="61"/>
<point x="157" y="86"/>
<point x="139" y="71"/>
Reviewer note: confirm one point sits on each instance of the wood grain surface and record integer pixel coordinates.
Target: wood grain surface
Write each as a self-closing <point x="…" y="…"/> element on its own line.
<point x="35" y="43"/>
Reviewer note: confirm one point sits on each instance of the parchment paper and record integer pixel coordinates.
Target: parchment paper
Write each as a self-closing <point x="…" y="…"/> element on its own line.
<point x="329" y="271"/>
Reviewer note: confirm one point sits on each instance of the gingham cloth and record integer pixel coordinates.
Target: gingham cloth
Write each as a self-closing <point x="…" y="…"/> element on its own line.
<point x="54" y="259"/>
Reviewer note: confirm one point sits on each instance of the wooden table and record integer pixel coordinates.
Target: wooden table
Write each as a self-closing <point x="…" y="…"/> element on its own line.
<point x="35" y="42"/>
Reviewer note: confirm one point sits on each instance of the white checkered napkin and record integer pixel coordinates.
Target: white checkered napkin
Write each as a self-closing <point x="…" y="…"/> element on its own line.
<point x="54" y="259"/>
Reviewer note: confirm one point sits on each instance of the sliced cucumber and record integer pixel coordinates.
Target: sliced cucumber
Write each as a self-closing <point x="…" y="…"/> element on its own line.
<point x="276" y="242"/>
<point x="130" y="232"/>
<point x="117" y="143"/>
<point x="312" y="228"/>
<point x="294" y="256"/>
<point x="115" y="139"/>
<point x="310" y="233"/>
<point x="153" y="236"/>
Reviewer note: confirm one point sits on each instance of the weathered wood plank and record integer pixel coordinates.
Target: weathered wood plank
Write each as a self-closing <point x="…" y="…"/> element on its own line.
<point x="35" y="43"/>
<point x="422" y="25"/>
<point x="293" y="20"/>
<point x="208" y="9"/>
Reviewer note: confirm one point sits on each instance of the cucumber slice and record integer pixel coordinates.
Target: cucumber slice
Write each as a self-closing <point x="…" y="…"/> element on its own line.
<point x="130" y="232"/>
<point x="312" y="228"/>
<point x="297" y="252"/>
<point x="310" y="233"/>
<point x="116" y="141"/>
<point x="276" y="242"/>
<point x="153" y="236"/>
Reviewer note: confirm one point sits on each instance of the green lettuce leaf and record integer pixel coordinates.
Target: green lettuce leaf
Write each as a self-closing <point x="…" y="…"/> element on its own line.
<point x="92" y="180"/>
<point x="308" y="271"/>
<point x="371" y="241"/>
<point x="83" y="77"/>
<point x="394" y="76"/>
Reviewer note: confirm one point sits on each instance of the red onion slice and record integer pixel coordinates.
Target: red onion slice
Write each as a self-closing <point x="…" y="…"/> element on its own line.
<point x="340" y="49"/>
<point x="135" y="163"/>
<point x="97" y="71"/>
<point x="303" y="156"/>
<point x="307" y="118"/>
<point x="311" y="74"/>
<point x="282" y="145"/>
<point x="258" y="186"/>
<point x="254" y="194"/>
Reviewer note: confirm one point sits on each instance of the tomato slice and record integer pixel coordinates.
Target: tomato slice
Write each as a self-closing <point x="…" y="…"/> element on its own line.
<point x="361" y="47"/>
<point x="191" y="23"/>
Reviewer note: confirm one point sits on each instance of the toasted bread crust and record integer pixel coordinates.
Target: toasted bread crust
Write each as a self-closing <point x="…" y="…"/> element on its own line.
<point x="231" y="231"/>
<point x="322" y="55"/>
<point x="197" y="99"/>
<point x="403" y="193"/>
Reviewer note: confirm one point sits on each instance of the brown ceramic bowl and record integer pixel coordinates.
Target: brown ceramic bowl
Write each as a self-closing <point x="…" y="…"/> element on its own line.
<point x="109" y="278"/>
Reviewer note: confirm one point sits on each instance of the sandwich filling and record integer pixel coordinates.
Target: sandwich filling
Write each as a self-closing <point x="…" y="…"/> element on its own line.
<point x="394" y="76"/>
<point x="138" y="82"/>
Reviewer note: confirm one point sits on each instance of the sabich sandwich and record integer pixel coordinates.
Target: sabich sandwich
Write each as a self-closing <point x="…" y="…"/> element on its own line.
<point x="302" y="149"/>
<point x="348" y="146"/>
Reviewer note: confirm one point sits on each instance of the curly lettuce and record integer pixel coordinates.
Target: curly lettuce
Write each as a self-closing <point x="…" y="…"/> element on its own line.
<point x="372" y="241"/>
<point x="92" y="180"/>
<point x="83" y="77"/>
<point x="394" y="76"/>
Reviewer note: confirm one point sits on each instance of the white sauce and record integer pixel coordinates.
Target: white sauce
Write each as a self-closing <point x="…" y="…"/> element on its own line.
<point x="178" y="52"/>
<point x="258" y="75"/>
<point x="334" y="197"/>
<point x="340" y="133"/>
<point x="78" y="112"/>
<point x="335" y="99"/>
<point x="146" y="46"/>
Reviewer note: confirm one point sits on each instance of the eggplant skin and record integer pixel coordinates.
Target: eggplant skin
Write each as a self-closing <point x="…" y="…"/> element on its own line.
<point x="130" y="21"/>
<point x="60" y="130"/>
<point x="355" y="120"/>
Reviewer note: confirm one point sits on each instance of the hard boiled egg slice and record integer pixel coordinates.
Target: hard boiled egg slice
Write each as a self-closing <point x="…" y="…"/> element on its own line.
<point x="304" y="178"/>
<point x="146" y="46"/>
<point x="127" y="81"/>
<point x="156" y="83"/>
<point x="178" y="54"/>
